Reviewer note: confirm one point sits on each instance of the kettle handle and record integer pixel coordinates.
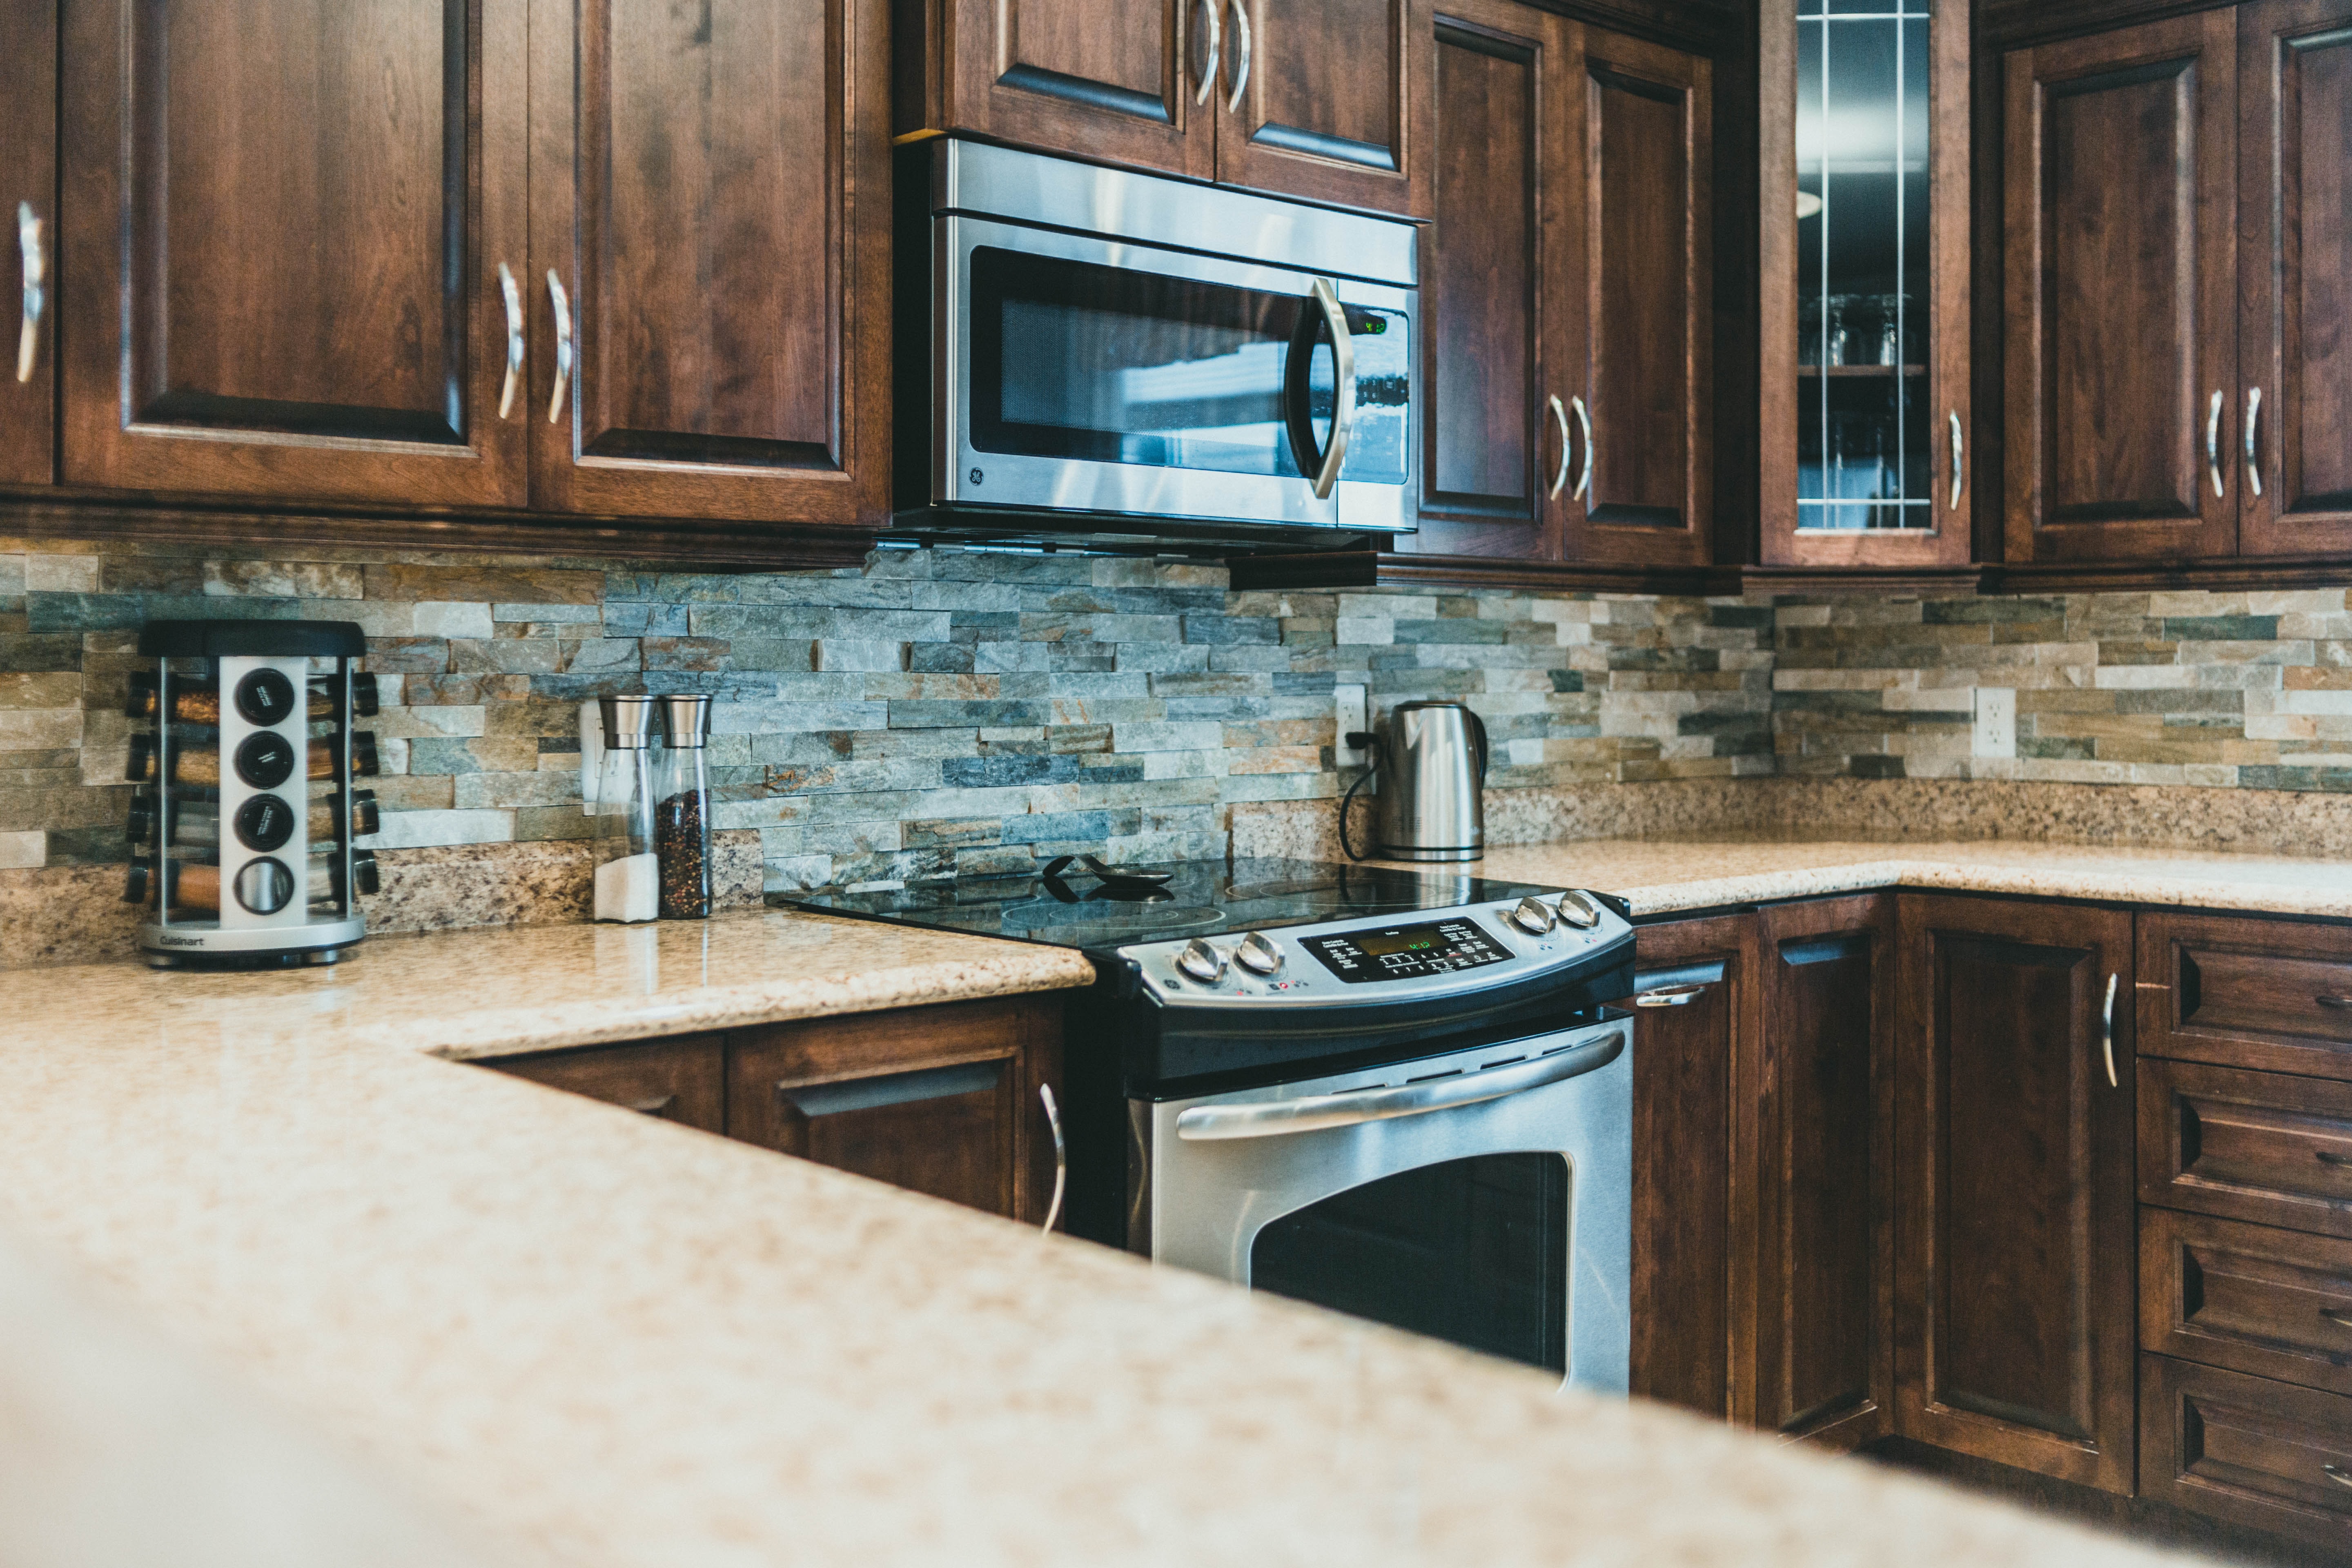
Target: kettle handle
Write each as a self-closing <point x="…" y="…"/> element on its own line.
<point x="1478" y="729"/>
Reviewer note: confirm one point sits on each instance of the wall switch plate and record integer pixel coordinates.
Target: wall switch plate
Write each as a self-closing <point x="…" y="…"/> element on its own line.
<point x="1353" y="720"/>
<point x="1995" y="734"/>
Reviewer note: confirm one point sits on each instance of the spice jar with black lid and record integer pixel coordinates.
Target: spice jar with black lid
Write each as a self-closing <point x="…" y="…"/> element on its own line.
<point x="682" y="809"/>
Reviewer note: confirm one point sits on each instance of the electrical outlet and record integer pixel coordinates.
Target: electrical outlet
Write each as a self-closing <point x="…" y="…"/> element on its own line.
<point x="1353" y="720"/>
<point x="1995" y="734"/>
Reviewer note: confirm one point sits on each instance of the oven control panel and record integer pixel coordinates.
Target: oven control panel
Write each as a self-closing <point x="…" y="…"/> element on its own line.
<point x="1405" y="952"/>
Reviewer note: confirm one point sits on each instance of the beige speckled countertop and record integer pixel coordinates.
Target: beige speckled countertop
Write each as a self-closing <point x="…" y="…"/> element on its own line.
<point x="602" y="1339"/>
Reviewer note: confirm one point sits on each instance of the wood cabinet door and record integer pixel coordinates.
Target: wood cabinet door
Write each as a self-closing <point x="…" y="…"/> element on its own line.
<point x="1317" y="99"/>
<point x="1127" y="83"/>
<point x="2294" y="222"/>
<point x="1635" y="344"/>
<point x="938" y="1100"/>
<point x="1820" y="1153"/>
<point x="1683" y="1330"/>
<point x="283" y="229"/>
<point x="2015" y="1317"/>
<point x="28" y="206"/>
<point x="683" y="1079"/>
<point x="2121" y="294"/>
<point x="709" y="188"/>
<point x="1495" y="430"/>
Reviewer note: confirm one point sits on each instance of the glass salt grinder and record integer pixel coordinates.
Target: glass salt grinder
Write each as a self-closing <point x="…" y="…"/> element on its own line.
<point x="626" y="882"/>
<point x="682" y="810"/>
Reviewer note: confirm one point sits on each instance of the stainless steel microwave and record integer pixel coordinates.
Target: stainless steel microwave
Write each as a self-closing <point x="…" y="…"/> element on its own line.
<point x="1137" y="360"/>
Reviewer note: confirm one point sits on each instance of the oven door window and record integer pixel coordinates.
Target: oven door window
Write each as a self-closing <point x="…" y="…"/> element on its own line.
<point x="1474" y="1251"/>
<point x="1080" y="361"/>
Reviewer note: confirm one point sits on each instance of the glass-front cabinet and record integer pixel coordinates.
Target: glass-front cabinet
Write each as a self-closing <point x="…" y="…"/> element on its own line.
<point x="1864" y="284"/>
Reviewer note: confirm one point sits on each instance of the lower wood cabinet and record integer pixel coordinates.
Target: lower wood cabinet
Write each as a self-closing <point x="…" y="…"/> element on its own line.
<point x="944" y="1099"/>
<point x="2015" y="1324"/>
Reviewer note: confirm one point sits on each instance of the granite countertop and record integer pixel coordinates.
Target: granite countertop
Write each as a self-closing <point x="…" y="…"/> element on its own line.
<point x="597" y="1338"/>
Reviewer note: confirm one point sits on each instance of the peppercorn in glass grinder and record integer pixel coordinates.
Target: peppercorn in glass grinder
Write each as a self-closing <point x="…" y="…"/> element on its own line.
<point x="241" y="832"/>
<point x="682" y="809"/>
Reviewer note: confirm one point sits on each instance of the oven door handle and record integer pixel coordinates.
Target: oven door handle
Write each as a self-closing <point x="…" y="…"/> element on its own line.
<point x="1273" y="1118"/>
<point x="1322" y="310"/>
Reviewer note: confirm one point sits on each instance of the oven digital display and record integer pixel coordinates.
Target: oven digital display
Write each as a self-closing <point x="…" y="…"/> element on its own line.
<point x="1406" y="953"/>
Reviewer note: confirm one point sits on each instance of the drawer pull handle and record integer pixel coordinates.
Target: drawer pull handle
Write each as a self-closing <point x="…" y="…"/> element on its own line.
<point x="1061" y="1154"/>
<point x="653" y="1107"/>
<point x="2329" y="1157"/>
<point x="2339" y="1316"/>
<point x="2107" y="1030"/>
<point x="1670" y="996"/>
<point x="2331" y="999"/>
<point x="2337" y="1474"/>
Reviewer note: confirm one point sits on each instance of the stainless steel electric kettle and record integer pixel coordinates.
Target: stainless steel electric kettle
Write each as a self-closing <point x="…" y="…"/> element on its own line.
<point x="1431" y="761"/>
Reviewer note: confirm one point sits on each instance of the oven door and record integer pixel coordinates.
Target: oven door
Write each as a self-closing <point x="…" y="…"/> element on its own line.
<point x="1082" y="374"/>
<point x="1484" y="1197"/>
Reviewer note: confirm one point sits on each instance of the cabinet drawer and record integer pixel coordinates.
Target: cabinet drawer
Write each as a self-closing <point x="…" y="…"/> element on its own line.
<point x="2274" y="994"/>
<point x="680" y="1080"/>
<point x="2246" y="1449"/>
<point x="2275" y="1302"/>
<point x="2247" y="1145"/>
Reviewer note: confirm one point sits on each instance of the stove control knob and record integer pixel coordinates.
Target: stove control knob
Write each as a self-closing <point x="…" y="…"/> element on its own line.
<point x="1579" y="910"/>
<point x="1202" y="962"/>
<point x="1532" y="916"/>
<point x="1258" y="955"/>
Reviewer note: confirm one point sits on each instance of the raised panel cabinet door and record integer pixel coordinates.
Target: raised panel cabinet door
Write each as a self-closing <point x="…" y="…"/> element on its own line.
<point x="1636" y="341"/>
<point x="1822" y="1096"/>
<point x="284" y="225"/>
<point x="1699" y="979"/>
<point x="28" y="206"/>
<point x="2015" y="1322"/>
<point x="2294" y="222"/>
<point x="710" y="196"/>
<point x="1128" y="83"/>
<point x="2121" y="294"/>
<point x="682" y="1079"/>
<point x="1494" y="432"/>
<point x="1321" y="99"/>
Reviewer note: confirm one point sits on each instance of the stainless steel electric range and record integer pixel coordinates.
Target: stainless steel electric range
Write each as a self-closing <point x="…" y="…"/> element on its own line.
<point x="1399" y="1093"/>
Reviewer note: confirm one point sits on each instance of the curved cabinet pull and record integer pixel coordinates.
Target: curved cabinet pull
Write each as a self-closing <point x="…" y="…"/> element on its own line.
<point x="562" y="304"/>
<point x="1210" y="8"/>
<point x="1958" y="472"/>
<point x="1241" y="55"/>
<point x="1060" y="1155"/>
<point x="2337" y="1474"/>
<point x="1584" y="419"/>
<point x="2107" y="1030"/>
<point x="2339" y="1316"/>
<point x="2213" y="441"/>
<point x="653" y="1106"/>
<point x="1560" y="418"/>
<point x="2333" y="1160"/>
<point x="2253" y="423"/>
<point x="34" y="255"/>
<point x="512" y="293"/>
<point x="2330" y="999"/>
<point x="1670" y="996"/>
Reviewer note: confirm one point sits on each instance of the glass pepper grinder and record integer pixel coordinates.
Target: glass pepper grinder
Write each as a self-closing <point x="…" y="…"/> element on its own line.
<point x="628" y="881"/>
<point x="682" y="810"/>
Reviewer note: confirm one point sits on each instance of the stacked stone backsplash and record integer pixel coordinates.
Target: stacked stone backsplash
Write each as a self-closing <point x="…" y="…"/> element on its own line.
<point x="952" y="710"/>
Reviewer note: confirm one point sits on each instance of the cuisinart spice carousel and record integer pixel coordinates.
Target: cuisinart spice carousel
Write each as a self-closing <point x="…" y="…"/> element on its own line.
<point x="241" y="832"/>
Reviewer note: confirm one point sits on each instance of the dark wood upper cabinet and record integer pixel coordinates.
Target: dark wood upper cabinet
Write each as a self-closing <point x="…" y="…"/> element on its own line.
<point x="2015" y="1320"/>
<point x="1637" y="341"/>
<point x="1864" y="259"/>
<point x="1127" y="85"/>
<point x="28" y="207"/>
<point x="283" y="231"/>
<point x="1317" y="99"/>
<point x="2121" y="300"/>
<point x="2294" y="222"/>
<point x="709" y="188"/>
<point x="1684" y="1328"/>
<point x="1820" y="1150"/>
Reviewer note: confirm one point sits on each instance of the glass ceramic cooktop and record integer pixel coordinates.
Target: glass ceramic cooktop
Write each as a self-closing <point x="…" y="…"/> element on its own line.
<point x="1077" y="907"/>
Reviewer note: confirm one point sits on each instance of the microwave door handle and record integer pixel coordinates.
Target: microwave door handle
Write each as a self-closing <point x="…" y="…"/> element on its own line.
<point x="1323" y="311"/>
<point x="1313" y="1113"/>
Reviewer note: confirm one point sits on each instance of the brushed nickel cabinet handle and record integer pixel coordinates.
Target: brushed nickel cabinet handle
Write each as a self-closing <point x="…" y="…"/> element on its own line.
<point x="1241" y="55"/>
<point x="2331" y="999"/>
<point x="562" y="301"/>
<point x="2339" y="1316"/>
<point x="2329" y="1157"/>
<point x="1209" y="68"/>
<point x="653" y="1107"/>
<point x="1958" y="472"/>
<point x="2253" y="423"/>
<point x="2337" y="1474"/>
<point x="34" y="255"/>
<point x="1060" y="1155"/>
<point x="2107" y="1030"/>
<point x="1560" y="418"/>
<point x="512" y="294"/>
<point x="1670" y="996"/>
<point x="1584" y="419"/>
<point x="2213" y="441"/>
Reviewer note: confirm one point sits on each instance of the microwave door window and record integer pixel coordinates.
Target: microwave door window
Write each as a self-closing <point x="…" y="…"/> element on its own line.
<point x="1078" y="361"/>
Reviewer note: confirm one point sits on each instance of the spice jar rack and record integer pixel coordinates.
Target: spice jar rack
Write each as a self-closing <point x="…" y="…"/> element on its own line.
<point x="242" y="833"/>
